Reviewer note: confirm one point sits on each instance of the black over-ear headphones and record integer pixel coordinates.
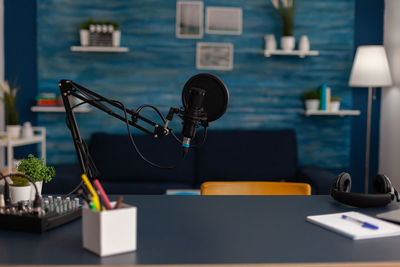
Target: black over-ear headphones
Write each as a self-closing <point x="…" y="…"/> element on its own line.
<point x="382" y="192"/>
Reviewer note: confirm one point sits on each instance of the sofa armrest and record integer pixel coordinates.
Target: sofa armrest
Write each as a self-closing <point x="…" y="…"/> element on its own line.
<point x="320" y="179"/>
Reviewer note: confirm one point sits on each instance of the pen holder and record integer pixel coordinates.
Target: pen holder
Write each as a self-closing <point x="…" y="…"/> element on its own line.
<point x="109" y="232"/>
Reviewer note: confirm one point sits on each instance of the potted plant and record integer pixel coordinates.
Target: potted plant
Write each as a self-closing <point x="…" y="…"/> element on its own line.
<point x="20" y="189"/>
<point x="37" y="171"/>
<point x="116" y="33"/>
<point x="286" y="9"/>
<point x="335" y="103"/>
<point x="84" y="31"/>
<point x="311" y="100"/>
<point x="10" y="99"/>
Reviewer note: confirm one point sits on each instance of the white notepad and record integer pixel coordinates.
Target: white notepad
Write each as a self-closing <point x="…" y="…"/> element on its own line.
<point x="353" y="230"/>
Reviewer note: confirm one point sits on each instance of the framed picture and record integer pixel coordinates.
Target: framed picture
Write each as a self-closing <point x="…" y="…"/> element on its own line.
<point x="224" y="20"/>
<point x="214" y="56"/>
<point x="189" y="19"/>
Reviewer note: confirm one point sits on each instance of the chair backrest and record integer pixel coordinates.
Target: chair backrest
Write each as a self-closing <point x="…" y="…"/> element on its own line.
<point x="255" y="188"/>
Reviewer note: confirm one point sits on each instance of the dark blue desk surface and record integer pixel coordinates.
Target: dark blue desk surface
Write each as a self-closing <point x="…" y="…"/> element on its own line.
<point x="199" y="230"/>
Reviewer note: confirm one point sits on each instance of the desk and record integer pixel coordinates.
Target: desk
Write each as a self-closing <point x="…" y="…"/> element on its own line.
<point x="213" y="230"/>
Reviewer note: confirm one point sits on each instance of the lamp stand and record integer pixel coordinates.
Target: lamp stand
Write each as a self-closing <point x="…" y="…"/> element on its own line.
<point x="368" y="137"/>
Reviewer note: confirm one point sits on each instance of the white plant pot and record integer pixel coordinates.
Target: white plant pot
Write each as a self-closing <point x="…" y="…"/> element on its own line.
<point x="287" y="43"/>
<point x="304" y="43"/>
<point x="13" y="131"/>
<point x="116" y="38"/>
<point x="335" y="105"/>
<point x="84" y="36"/>
<point x="18" y="193"/>
<point x="39" y="186"/>
<point x="312" y="104"/>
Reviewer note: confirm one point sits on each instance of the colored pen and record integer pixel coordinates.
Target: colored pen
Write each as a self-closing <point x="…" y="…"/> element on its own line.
<point x="362" y="223"/>
<point x="95" y="197"/>
<point x="119" y="201"/>
<point x="102" y="194"/>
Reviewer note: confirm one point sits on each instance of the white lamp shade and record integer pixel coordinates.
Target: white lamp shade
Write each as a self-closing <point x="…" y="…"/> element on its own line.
<point x="370" y="67"/>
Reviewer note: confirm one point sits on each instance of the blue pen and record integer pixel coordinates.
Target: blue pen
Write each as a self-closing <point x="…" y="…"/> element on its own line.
<point x="363" y="224"/>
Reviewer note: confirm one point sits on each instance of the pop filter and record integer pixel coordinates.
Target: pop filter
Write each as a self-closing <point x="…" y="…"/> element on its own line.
<point x="216" y="98"/>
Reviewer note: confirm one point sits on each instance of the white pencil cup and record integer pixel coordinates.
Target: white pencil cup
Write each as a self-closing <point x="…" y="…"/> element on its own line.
<point x="110" y="232"/>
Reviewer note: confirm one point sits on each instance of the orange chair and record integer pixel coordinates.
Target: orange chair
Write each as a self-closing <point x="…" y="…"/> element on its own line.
<point x="255" y="188"/>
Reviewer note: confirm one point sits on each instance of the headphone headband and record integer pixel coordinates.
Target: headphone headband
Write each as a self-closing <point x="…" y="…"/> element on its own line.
<point x="383" y="192"/>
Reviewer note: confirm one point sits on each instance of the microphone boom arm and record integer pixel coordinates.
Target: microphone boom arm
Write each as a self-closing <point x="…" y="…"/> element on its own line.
<point x="69" y="88"/>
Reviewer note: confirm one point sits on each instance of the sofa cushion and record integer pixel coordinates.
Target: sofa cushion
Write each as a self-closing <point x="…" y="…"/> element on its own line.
<point x="248" y="155"/>
<point x="117" y="160"/>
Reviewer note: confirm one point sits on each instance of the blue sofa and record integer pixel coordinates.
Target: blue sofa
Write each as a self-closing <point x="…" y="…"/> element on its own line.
<point x="233" y="155"/>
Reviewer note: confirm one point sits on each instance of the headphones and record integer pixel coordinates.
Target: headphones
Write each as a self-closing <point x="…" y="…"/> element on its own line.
<point x="382" y="192"/>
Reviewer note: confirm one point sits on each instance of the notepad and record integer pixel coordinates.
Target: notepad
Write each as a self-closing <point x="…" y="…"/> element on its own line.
<point x="336" y="223"/>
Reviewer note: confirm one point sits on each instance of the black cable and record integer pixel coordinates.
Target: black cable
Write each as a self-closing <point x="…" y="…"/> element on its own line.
<point x="137" y="149"/>
<point x="73" y="190"/>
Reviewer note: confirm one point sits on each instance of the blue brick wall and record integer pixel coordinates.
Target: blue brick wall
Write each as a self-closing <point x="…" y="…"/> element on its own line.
<point x="265" y="92"/>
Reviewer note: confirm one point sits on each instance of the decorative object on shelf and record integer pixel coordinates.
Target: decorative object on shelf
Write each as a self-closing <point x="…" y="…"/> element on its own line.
<point x="224" y="20"/>
<point x="37" y="171"/>
<point x="325" y="97"/>
<point x="20" y="189"/>
<point x="304" y="43"/>
<point x="12" y="118"/>
<point x="335" y="103"/>
<point x="311" y="100"/>
<point x="270" y="42"/>
<point x="286" y="9"/>
<point x="370" y="69"/>
<point x="100" y="33"/>
<point x="27" y="130"/>
<point x="214" y="56"/>
<point x="46" y="99"/>
<point x="189" y="19"/>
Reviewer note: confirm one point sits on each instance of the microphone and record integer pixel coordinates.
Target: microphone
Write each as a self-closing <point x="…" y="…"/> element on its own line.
<point x="193" y="114"/>
<point x="205" y="98"/>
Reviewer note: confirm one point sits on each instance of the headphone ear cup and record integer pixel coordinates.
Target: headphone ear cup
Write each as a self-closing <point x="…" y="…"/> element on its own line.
<point x="381" y="184"/>
<point x="342" y="183"/>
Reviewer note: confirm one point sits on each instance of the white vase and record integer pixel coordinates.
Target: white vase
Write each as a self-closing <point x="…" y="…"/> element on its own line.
<point x="18" y="193"/>
<point x="116" y="38"/>
<point x="13" y="131"/>
<point x="304" y="43"/>
<point x="287" y="43"/>
<point x="270" y="42"/>
<point x="335" y="105"/>
<point x="312" y="104"/>
<point x="84" y="36"/>
<point x="27" y="130"/>
<point x="39" y="186"/>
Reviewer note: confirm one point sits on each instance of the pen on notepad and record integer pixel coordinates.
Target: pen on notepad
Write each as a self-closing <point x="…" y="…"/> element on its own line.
<point x="362" y="223"/>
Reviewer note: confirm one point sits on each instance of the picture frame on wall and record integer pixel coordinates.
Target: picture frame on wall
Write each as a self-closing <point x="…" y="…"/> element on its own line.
<point x="214" y="56"/>
<point x="224" y="20"/>
<point x="189" y="19"/>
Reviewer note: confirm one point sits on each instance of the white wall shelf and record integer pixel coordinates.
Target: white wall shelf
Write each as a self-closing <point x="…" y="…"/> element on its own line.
<point x="57" y="109"/>
<point x="332" y="113"/>
<point x="301" y="54"/>
<point x="113" y="49"/>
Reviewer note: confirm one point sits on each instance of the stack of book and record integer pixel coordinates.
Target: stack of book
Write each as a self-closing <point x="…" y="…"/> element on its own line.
<point x="325" y="97"/>
<point x="46" y="99"/>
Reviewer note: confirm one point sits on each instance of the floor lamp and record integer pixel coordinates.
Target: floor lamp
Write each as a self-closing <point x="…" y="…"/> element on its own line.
<point x="370" y="69"/>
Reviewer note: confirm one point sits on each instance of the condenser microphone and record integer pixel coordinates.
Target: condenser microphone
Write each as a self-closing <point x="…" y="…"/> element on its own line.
<point x="193" y="115"/>
<point x="205" y="98"/>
